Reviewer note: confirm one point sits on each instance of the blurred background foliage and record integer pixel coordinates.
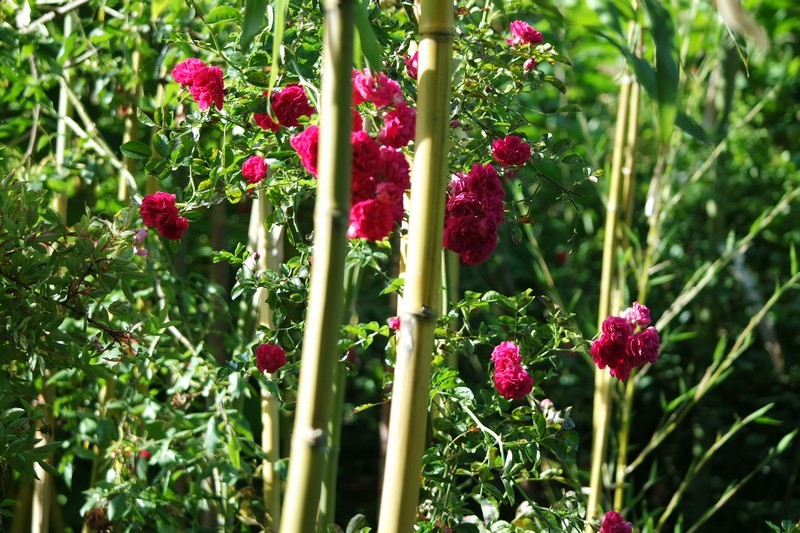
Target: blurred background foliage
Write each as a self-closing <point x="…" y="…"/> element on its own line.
<point x="741" y="160"/>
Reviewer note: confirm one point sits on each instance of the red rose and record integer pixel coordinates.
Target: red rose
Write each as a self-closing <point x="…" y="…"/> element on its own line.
<point x="366" y="154"/>
<point x="289" y="104"/>
<point x="269" y="358"/>
<point x="412" y="65"/>
<point x="159" y="211"/>
<point x="266" y="122"/>
<point x="511" y="151"/>
<point x="614" y="523"/>
<point x="380" y="90"/>
<point x="370" y="220"/>
<point x="643" y="346"/>
<point x="506" y="356"/>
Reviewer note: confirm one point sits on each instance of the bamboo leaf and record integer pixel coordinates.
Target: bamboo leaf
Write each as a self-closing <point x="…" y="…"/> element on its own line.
<point x="254" y="14"/>
<point x="667" y="72"/>
<point x="370" y="47"/>
<point x="279" y="25"/>
<point x="222" y="14"/>
<point x="136" y="150"/>
<point x="691" y="127"/>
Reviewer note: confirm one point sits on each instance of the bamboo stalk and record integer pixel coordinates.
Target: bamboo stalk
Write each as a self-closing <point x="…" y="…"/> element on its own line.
<point x="602" y="380"/>
<point x="327" y="510"/>
<point x="131" y="124"/>
<point x="326" y="306"/>
<point x="629" y="180"/>
<point x="63" y="132"/>
<point x="421" y="297"/>
<point x="269" y="246"/>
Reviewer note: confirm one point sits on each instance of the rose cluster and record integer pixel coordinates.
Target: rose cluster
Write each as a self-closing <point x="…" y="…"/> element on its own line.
<point x="380" y="170"/>
<point x="288" y="105"/>
<point x="473" y="212"/>
<point x="204" y="83"/>
<point x="159" y="211"/>
<point x="510" y="378"/>
<point x="626" y="342"/>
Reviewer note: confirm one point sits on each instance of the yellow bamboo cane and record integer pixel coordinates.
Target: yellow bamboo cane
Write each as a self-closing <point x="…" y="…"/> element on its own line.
<point x="422" y="291"/>
<point x="325" y="311"/>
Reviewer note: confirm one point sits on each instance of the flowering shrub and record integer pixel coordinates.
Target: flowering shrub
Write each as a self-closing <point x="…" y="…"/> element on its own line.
<point x="204" y="83"/>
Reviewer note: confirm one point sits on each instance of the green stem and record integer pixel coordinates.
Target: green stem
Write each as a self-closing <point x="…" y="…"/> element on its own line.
<point x="326" y="305"/>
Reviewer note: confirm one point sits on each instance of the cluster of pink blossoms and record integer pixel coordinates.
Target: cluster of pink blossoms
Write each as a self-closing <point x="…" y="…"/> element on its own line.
<point x="626" y="342"/>
<point x="474" y="211"/>
<point x="614" y="523"/>
<point x="288" y="104"/>
<point x="380" y="170"/>
<point x="204" y="83"/>
<point x="270" y="358"/>
<point x="510" y="378"/>
<point x="159" y="211"/>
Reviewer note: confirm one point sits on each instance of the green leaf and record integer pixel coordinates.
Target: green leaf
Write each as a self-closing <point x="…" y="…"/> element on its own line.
<point x="281" y="7"/>
<point x="691" y="127"/>
<point x="144" y="119"/>
<point x="222" y="14"/>
<point x="116" y="508"/>
<point x="254" y="15"/>
<point x="371" y="48"/>
<point x="667" y="72"/>
<point x="357" y="524"/>
<point x="136" y="150"/>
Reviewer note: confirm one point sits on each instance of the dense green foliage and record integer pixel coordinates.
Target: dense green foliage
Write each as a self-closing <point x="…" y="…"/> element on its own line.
<point x="106" y="354"/>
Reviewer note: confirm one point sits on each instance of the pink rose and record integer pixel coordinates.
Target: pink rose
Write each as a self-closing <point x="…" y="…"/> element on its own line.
<point x="380" y="90"/>
<point x="643" y="346"/>
<point x="506" y="355"/>
<point x="511" y="151"/>
<point x="144" y="454"/>
<point x="394" y="323"/>
<point x="358" y="122"/>
<point x="412" y="64"/>
<point x="269" y="358"/>
<point x="529" y="64"/>
<point x="513" y="383"/>
<point x="289" y="104"/>
<point x="184" y="71"/>
<point x="254" y="169"/>
<point x="637" y="315"/>
<point x="207" y="87"/>
<point x="159" y="211"/>
<point x="393" y="167"/>
<point x="366" y="154"/>
<point x="306" y="144"/>
<point x="523" y="34"/>
<point x="398" y="126"/>
<point x="614" y="523"/>
<point x="370" y="220"/>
